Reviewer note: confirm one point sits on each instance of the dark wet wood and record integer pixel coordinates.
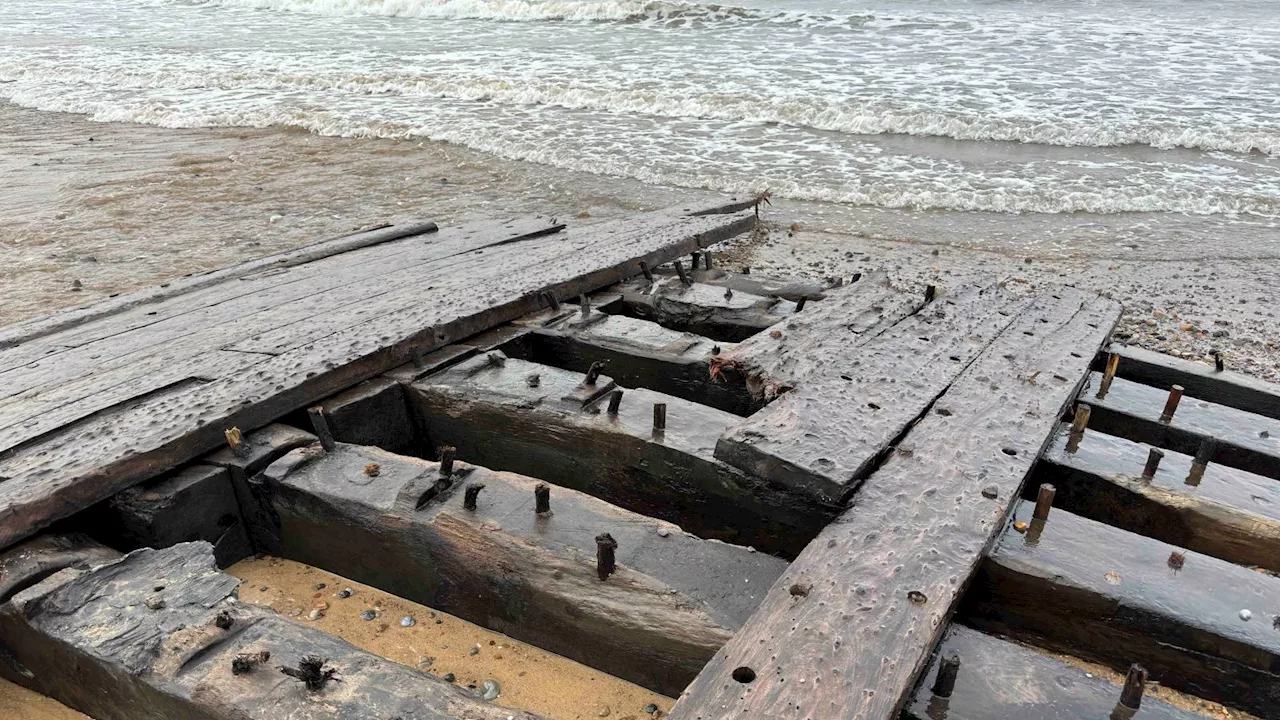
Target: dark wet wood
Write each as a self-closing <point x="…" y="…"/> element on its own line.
<point x="1115" y="597"/>
<point x="999" y="679"/>
<point x="845" y="632"/>
<point x="827" y="433"/>
<point x="1200" y="380"/>
<point x="1131" y="410"/>
<point x="636" y="353"/>
<point x="69" y="468"/>
<point x="1226" y="513"/>
<point x="499" y="415"/>
<point x="829" y="331"/>
<point x="531" y="576"/>
<point x="697" y="308"/>
<point x="156" y="649"/>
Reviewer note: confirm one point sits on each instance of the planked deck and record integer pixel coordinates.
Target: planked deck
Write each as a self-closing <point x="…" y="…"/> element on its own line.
<point x="97" y="400"/>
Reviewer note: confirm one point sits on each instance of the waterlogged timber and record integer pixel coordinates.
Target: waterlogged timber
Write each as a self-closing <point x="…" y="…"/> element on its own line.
<point x="523" y="466"/>
<point x="349" y="327"/>
<point x="475" y="543"/>
<point x="1196" y="623"/>
<point x="1162" y="417"/>
<point x="179" y="645"/>
<point x="533" y="419"/>
<point x="1212" y="509"/>
<point x="1000" y="679"/>
<point x="1207" y="382"/>
<point x="847" y="629"/>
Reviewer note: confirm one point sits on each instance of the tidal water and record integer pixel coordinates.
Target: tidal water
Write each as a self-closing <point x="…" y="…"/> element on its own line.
<point x="1148" y="127"/>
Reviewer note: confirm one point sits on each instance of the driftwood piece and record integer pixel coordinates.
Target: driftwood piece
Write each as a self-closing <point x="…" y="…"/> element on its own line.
<point x="1000" y="679"/>
<point x="1244" y="440"/>
<point x="1223" y="512"/>
<point x="846" y="630"/>
<point x="843" y="415"/>
<point x="529" y="575"/>
<point x="146" y="636"/>
<point x="496" y="417"/>
<point x="1224" y="387"/>
<point x="700" y="309"/>
<point x="92" y="460"/>
<point x="636" y="353"/>
<point x="805" y="343"/>
<point x="1196" y="623"/>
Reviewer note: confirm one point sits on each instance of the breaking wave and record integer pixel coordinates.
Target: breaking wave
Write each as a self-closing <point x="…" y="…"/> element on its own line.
<point x="535" y="10"/>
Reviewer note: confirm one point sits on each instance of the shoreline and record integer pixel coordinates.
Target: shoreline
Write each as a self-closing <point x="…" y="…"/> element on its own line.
<point x="100" y="208"/>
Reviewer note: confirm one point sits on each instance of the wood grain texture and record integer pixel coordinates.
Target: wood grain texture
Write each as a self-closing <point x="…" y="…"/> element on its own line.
<point x="1227" y="513"/>
<point x="1108" y="595"/>
<point x="1202" y="381"/>
<point x="999" y="679"/>
<point x="847" y="629"/>
<point x="1245" y="440"/>
<point x="702" y="309"/>
<point x="25" y="332"/>
<point x="846" y="318"/>
<point x="850" y="406"/>
<point x="89" y="461"/>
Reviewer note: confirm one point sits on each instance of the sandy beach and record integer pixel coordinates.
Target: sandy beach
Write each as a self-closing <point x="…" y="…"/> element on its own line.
<point x="91" y="209"/>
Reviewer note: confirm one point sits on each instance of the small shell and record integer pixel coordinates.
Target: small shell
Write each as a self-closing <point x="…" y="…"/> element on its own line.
<point x="368" y="615"/>
<point x="407" y="621"/>
<point x="491" y="690"/>
<point x="1245" y="615"/>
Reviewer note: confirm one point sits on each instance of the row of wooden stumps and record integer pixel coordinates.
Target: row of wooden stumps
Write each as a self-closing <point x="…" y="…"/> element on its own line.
<point x="1205" y="452"/>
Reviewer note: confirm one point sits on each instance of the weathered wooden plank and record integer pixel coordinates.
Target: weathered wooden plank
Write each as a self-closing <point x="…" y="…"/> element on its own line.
<point x="829" y="432"/>
<point x="32" y="417"/>
<point x="700" y="309"/>
<point x="846" y="630"/>
<point x="531" y="576"/>
<point x="1244" y="440"/>
<point x="25" y="332"/>
<point x="786" y="287"/>
<point x="1000" y="679"/>
<point x="1225" y="387"/>
<point x="1223" y="512"/>
<point x="92" y="461"/>
<point x="298" y="323"/>
<point x="808" y="341"/>
<point x="154" y="634"/>
<point x="491" y="414"/>
<point x="635" y="353"/>
<point x="1196" y="623"/>
<point x="217" y="316"/>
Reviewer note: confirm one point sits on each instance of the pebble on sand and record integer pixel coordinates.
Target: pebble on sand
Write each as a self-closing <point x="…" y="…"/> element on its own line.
<point x="491" y="690"/>
<point x="407" y="621"/>
<point x="368" y="615"/>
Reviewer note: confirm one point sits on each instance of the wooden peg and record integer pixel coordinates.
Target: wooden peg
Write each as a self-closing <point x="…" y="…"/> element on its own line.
<point x="321" y="425"/>
<point x="605" y="547"/>
<point x="552" y="301"/>
<point x="684" y="277"/>
<point x="615" y="401"/>
<point x="584" y="304"/>
<point x="1044" y="501"/>
<point x="446" y="460"/>
<point x="1204" y="454"/>
<point x="800" y="303"/>
<point x="1078" y="426"/>
<point x="1171" y="405"/>
<point x="471" y="493"/>
<point x="593" y="373"/>
<point x="644" y="268"/>
<point x="541" y="498"/>
<point x="1135" y="683"/>
<point x="1153" y="463"/>
<point x="1113" y="362"/>
<point x="659" y="416"/>
<point x="930" y="293"/>
<point x="1218" y="364"/>
<point x="948" y="669"/>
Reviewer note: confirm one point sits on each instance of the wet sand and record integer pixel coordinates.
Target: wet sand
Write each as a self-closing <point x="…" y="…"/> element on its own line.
<point x="115" y="207"/>
<point x="438" y="643"/>
<point x="19" y="703"/>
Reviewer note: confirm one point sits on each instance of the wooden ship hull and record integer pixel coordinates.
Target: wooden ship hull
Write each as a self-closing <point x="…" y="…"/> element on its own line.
<point x="764" y="497"/>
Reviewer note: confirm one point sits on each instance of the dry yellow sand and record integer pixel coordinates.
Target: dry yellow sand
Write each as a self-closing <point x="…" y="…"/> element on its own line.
<point x="19" y="703"/>
<point x="531" y="679"/>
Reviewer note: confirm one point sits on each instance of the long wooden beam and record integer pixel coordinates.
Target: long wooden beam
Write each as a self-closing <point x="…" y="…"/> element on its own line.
<point x="1224" y="387"/>
<point x="845" y="632"/>
<point x="1196" y="623"/>
<point x="54" y="475"/>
